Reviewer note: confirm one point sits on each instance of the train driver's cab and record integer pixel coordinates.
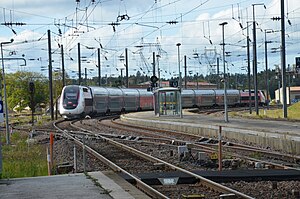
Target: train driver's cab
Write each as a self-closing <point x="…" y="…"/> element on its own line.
<point x="70" y="97"/>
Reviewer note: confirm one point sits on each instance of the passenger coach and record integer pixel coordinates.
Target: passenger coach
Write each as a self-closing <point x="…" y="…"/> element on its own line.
<point x="78" y="101"/>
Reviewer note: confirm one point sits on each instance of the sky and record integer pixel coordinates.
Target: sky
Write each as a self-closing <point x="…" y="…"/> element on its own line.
<point x="144" y="27"/>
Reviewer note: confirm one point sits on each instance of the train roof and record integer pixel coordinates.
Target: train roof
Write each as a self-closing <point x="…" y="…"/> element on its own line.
<point x="204" y="92"/>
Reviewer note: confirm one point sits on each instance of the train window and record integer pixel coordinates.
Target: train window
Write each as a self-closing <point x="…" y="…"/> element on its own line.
<point x="85" y="90"/>
<point x="71" y="95"/>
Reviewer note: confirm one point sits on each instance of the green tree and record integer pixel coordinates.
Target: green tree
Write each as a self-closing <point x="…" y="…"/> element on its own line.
<point x="17" y="86"/>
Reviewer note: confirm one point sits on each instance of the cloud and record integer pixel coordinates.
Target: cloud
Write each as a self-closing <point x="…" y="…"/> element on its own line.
<point x="195" y="29"/>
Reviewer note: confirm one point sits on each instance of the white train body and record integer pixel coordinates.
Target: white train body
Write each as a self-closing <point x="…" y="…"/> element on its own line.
<point x="74" y="100"/>
<point x="78" y="101"/>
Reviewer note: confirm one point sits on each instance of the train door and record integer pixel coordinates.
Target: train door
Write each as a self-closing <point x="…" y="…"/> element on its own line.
<point x="88" y="101"/>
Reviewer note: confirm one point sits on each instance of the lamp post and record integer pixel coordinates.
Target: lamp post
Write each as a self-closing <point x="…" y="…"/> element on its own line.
<point x="225" y="89"/>
<point x="5" y="95"/>
<point x="6" y="115"/>
<point x="179" y="76"/>
<point x="179" y="73"/>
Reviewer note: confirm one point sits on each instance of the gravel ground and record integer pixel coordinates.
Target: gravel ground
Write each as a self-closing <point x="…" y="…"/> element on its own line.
<point x="63" y="152"/>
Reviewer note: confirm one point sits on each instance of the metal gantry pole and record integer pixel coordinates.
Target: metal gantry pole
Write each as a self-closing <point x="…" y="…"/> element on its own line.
<point x="79" y="65"/>
<point x="126" y="65"/>
<point x="218" y="72"/>
<point x="225" y="89"/>
<point x="99" y="68"/>
<point x="266" y="62"/>
<point x="185" y="72"/>
<point x="63" y="65"/>
<point x="255" y="63"/>
<point x="255" y="59"/>
<point x="249" y="70"/>
<point x="283" y="60"/>
<point x="85" y="76"/>
<point x="50" y="75"/>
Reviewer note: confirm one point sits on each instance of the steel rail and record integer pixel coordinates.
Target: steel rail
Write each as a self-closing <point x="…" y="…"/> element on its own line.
<point x="206" y="182"/>
<point x="138" y="183"/>
<point x="235" y="146"/>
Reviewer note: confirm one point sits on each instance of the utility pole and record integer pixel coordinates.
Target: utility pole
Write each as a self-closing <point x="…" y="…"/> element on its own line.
<point x="85" y="76"/>
<point x="185" y="76"/>
<point x="126" y="65"/>
<point x="283" y="60"/>
<point x="255" y="63"/>
<point x="50" y="75"/>
<point x="266" y="62"/>
<point x="63" y="64"/>
<point x="218" y="72"/>
<point x="249" y="70"/>
<point x="79" y="65"/>
<point x="99" y="68"/>
<point x="122" y="76"/>
<point x="255" y="59"/>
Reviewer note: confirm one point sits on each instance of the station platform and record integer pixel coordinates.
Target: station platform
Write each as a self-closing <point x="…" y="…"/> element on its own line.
<point x="279" y="135"/>
<point x="100" y="185"/>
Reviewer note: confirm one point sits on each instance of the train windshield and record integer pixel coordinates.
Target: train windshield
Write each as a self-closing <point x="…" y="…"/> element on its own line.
<point x="71" y="96"/>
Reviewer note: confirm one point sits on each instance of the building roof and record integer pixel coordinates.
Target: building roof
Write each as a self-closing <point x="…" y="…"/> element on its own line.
<point x="295" y="88"/>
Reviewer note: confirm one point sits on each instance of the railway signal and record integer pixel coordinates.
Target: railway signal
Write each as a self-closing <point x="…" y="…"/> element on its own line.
<point x="153" y="80"/>
<point x="31" y="91"/>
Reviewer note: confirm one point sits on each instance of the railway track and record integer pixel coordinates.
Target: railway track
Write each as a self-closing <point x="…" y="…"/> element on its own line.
<point x="265" y="156"/>
<point x="116" y="156"/>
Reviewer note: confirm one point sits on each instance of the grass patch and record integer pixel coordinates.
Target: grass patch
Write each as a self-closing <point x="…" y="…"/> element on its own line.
<point x="23" y="160"/>
<point x="293" y="113"/>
